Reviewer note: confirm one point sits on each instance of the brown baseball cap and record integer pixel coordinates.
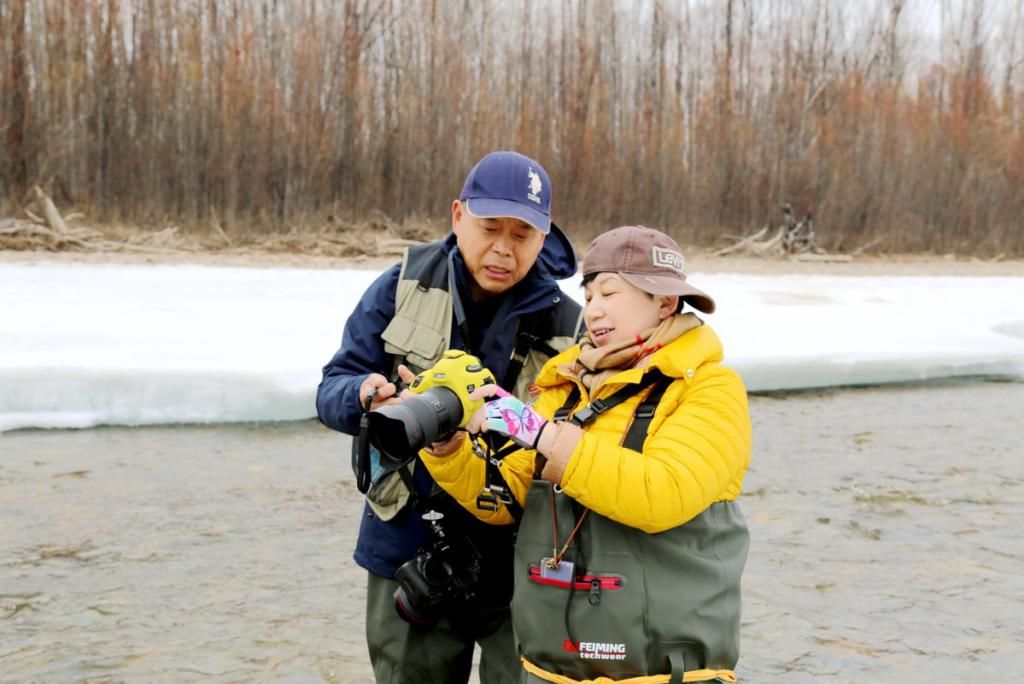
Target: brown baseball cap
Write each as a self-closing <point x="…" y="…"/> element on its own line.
<point x="648" y="259"/>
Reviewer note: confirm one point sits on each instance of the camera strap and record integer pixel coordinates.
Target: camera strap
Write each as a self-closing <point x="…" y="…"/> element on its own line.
<point x="462" y="320"/>
<point x="528" y="337"/>
<point x="361" y="447"/>
<point x="414" y="497"/>
<point x="527" y="334"/>
<point x="496" y="490"/>
<point x="361" y="460"/>
<point x="633" y="439"/>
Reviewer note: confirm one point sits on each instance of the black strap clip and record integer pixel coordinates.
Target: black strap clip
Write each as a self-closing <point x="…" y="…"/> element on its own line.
<point x="590" y="412"/>
<point x="645" y="410"/>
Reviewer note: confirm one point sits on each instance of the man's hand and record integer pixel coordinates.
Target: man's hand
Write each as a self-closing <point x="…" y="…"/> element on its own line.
<point x="387" y="392"/>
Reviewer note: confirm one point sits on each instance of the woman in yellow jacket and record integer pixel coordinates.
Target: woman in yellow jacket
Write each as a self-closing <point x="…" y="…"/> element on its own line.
<point x="631" y="544"/>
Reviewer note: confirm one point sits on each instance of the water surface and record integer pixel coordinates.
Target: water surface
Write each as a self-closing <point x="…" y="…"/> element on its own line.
<point x="886" y="546"/>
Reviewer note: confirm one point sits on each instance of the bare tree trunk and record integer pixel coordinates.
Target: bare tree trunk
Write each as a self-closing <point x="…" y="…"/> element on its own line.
<point x="15" y="106"/>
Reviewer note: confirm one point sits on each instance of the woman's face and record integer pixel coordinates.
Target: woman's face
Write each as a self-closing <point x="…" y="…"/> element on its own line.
<point x="616" y="310"/>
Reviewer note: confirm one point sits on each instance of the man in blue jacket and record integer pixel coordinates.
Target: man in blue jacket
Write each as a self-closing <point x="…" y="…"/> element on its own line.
<point x="488" y="288"/>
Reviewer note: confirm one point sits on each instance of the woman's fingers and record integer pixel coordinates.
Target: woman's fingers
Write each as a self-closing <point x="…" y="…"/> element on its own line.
<point x="486" y="392"/>
<point x="477" y="423"/>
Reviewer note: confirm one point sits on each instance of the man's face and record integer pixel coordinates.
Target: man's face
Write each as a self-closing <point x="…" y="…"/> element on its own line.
<point x="498" y="252"/>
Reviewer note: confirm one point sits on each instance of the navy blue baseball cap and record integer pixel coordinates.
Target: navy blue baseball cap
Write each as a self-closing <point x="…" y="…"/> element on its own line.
<point x="507" y="183"/>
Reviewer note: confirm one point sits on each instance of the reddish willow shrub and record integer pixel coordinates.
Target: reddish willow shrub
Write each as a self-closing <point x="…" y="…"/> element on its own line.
<point x="700" y="118"/>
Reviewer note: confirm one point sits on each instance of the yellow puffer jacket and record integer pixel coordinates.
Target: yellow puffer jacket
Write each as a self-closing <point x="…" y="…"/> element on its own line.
<point x="696" y="453"/>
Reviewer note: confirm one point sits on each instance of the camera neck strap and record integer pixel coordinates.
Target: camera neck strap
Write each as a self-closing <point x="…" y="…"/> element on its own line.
<point x="361" y="447"/>
<point x="528" y="337"/>
<point x="496" y="490"/>
<point x="525" y="339"/>
<point x="361" y="458"/>
<point x="462" y="320"/>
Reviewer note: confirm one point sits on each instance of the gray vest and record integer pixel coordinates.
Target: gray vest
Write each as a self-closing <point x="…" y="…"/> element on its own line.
<point x="421" y="328"/>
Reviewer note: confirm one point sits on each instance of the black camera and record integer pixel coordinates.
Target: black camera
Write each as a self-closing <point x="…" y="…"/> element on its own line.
<point x="440" y="404"/>
<point x="439" y="579"/>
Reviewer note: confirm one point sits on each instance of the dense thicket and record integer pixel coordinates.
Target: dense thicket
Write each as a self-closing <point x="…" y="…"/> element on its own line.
<point x="698" y="117"/>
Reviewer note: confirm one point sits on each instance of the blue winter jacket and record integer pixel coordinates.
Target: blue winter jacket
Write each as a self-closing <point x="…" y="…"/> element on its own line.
<point x="383" y="546"/>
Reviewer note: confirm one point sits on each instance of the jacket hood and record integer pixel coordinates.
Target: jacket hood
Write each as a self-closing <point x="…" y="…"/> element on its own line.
<point x="557" y="259"/>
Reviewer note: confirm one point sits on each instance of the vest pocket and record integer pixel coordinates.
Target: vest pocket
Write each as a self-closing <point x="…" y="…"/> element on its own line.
<point x="606" y="616"/>
<point x="420" y="345"/>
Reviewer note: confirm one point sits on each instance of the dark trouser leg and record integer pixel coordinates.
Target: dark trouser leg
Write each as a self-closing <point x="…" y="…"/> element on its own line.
<point x="499" y="661"/>
<point x="402" y="653"/>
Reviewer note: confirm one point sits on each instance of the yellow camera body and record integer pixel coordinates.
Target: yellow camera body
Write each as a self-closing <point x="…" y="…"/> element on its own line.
<point x="459" y="372"/>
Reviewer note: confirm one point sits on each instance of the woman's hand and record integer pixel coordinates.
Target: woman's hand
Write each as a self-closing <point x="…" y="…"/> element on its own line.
<point x="506" y="415"/>
<point x="478" y="422"/>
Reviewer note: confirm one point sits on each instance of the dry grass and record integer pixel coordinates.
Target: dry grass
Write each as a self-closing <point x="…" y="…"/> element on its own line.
<point x="373" y="245"/>
<point x="332" y="239"/>
<point x="330" y="242"/>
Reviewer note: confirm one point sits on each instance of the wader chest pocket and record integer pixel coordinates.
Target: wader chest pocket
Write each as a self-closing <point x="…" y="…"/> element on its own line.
<point x="605" y="610"/>
<point x="583" y="582"/>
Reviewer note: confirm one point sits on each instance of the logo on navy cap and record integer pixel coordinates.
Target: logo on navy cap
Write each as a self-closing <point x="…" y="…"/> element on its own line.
<point x="535" y="186"/>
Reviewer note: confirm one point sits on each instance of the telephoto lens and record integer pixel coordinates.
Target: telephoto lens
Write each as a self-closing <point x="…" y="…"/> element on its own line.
<point x="400" y="430"/>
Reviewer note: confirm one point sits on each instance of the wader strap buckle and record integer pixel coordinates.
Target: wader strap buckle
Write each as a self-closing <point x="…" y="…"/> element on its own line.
<point x="486" y="501"/>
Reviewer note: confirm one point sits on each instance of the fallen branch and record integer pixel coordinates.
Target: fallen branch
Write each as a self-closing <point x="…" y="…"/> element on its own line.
<point x="755" y="245"/>
<point x="51" y="233"/>
<point x="50" y="211"/>
<point x="863" y="248"/>
<point x="35" y="217"/>
<point x="221" y="233"/>
<point x="823" y="258"/>
<point x="395" y="245"/>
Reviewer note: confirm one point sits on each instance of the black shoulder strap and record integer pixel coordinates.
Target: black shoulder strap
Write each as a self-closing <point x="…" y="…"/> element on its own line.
<point x="569" y="405"/>
<point x="599" y="406"/>
<point x="637" y="433"/>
